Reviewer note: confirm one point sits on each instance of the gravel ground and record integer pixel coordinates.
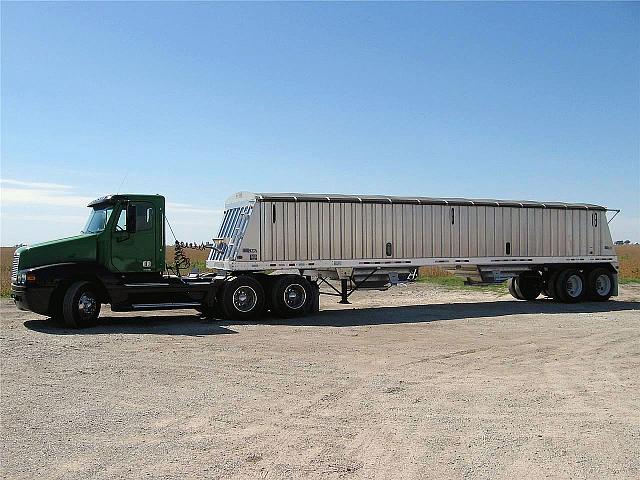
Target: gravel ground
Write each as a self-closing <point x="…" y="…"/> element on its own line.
<point x="440" y="384"/>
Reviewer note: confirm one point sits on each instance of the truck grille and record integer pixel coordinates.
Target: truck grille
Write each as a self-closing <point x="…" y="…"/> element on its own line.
<point x="14" y="267"/>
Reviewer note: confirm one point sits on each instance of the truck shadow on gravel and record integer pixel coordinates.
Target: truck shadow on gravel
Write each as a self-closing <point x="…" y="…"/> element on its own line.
<point x="193" y="325"/>
<point x="164" y="324"/>
<point x="450" y="311"/>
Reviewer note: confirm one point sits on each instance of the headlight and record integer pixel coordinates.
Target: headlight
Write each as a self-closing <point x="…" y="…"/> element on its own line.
<point x="25" y="276"/>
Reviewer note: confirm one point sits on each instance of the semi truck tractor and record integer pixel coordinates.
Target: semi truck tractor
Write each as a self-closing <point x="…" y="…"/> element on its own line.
<point x="279" y="252"/>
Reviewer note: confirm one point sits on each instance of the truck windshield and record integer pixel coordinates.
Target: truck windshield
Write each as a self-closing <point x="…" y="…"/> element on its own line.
<point x="98" y="219"/>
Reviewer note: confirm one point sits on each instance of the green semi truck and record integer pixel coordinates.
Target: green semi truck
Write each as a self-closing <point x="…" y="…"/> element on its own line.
<point x="273" y="251"/>
<point x="119" y="259"/>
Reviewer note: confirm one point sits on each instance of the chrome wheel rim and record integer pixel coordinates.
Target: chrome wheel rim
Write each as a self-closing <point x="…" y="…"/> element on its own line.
<point x="603" y="285"/>
<point x="87" y="305"/>
<point x="574" y="286"/>
<point x="244" y="299"/>
<point x="295" y="296"/>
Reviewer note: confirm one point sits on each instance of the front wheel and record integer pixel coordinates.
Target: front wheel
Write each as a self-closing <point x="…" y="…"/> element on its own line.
<point x="80" y="305"/>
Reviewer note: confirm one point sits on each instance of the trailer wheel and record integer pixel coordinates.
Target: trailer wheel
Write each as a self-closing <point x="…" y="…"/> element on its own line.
<point x="242" y="297"/>
<point x="570" y="286"/>
<point x="528" y="286"/>
<point x="80" y="305"/>
<point x="600" y="285"/>
<point x="290" y="296"/>
<point x="511" y="283"/>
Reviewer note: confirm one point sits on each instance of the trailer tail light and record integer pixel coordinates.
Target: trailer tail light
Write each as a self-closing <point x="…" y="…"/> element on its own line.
<point x="31" y="278"/>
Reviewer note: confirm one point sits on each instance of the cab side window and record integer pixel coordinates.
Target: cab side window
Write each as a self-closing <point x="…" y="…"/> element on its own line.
<point x="121" y="226"/>
<point x="144" y="217"/>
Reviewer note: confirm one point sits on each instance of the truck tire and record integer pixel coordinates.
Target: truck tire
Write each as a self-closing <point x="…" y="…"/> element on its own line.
<point x="290" y="296"/>
<point x="511" y="283"/>
<point x="570" y="286"/>
<point x="242" y="298"/>
<point x="600" y="285"/>
<point x="80" y="305"/>
<point x="528" y="286"/>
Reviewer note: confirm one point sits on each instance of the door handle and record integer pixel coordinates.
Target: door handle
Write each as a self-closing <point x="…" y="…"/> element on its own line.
<point x="122" y="237"/>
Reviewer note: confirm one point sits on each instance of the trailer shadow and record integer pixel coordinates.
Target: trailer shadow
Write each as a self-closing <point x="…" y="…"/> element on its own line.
<point x="165" y="324"/>
<point x="449" y="311"/>
<point x="195" y="326"/>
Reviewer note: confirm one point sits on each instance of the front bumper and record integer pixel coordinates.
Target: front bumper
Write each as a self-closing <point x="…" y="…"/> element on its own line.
<point x="32" y="298"/>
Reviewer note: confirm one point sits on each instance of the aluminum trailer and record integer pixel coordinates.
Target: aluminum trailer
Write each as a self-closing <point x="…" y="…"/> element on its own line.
<point x="563" y="250"/>
<point x="274" y="252"/>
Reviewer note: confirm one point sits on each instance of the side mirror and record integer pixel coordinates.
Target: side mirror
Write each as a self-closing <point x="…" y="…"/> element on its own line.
<point x="131" y="218"/>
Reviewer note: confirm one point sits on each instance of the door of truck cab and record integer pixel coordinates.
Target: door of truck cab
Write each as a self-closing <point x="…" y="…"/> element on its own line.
<point x="134" y="249"/>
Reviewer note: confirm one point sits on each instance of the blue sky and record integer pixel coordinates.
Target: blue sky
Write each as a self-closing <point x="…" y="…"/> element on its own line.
<point x="199" y="100"/>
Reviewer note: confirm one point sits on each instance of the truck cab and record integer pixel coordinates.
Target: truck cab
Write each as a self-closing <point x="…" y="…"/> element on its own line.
<point x="118" y="258"/>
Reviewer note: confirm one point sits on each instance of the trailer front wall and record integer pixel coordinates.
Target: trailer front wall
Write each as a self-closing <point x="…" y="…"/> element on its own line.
<point x="308" y="230"/>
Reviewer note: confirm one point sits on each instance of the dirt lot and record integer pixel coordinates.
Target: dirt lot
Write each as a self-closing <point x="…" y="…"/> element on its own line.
<point x="443" y="384"/>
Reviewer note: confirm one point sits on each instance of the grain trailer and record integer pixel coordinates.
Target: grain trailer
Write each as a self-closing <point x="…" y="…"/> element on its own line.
<point x="563" y="250"/>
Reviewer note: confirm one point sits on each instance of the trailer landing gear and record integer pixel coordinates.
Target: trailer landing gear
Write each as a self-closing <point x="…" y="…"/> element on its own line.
<point x="344" y="293"/>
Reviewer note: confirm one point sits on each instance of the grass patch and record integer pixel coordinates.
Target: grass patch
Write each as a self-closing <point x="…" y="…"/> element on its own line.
<point x="442" y="278"/>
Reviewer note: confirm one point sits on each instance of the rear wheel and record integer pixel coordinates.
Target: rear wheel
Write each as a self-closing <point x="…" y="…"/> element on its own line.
<point x="80" y="305"/>
<point x="290" y="296"/>
<point x="242" y="297"/>
<point x="511" y="283"/>
<point x="570" y="286"/>
<point x="528" y="285"/>
<point x="600" y="285"/>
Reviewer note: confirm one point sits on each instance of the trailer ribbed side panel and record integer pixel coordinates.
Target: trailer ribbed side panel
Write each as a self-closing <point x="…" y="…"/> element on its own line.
<point x="309" y="230"/>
